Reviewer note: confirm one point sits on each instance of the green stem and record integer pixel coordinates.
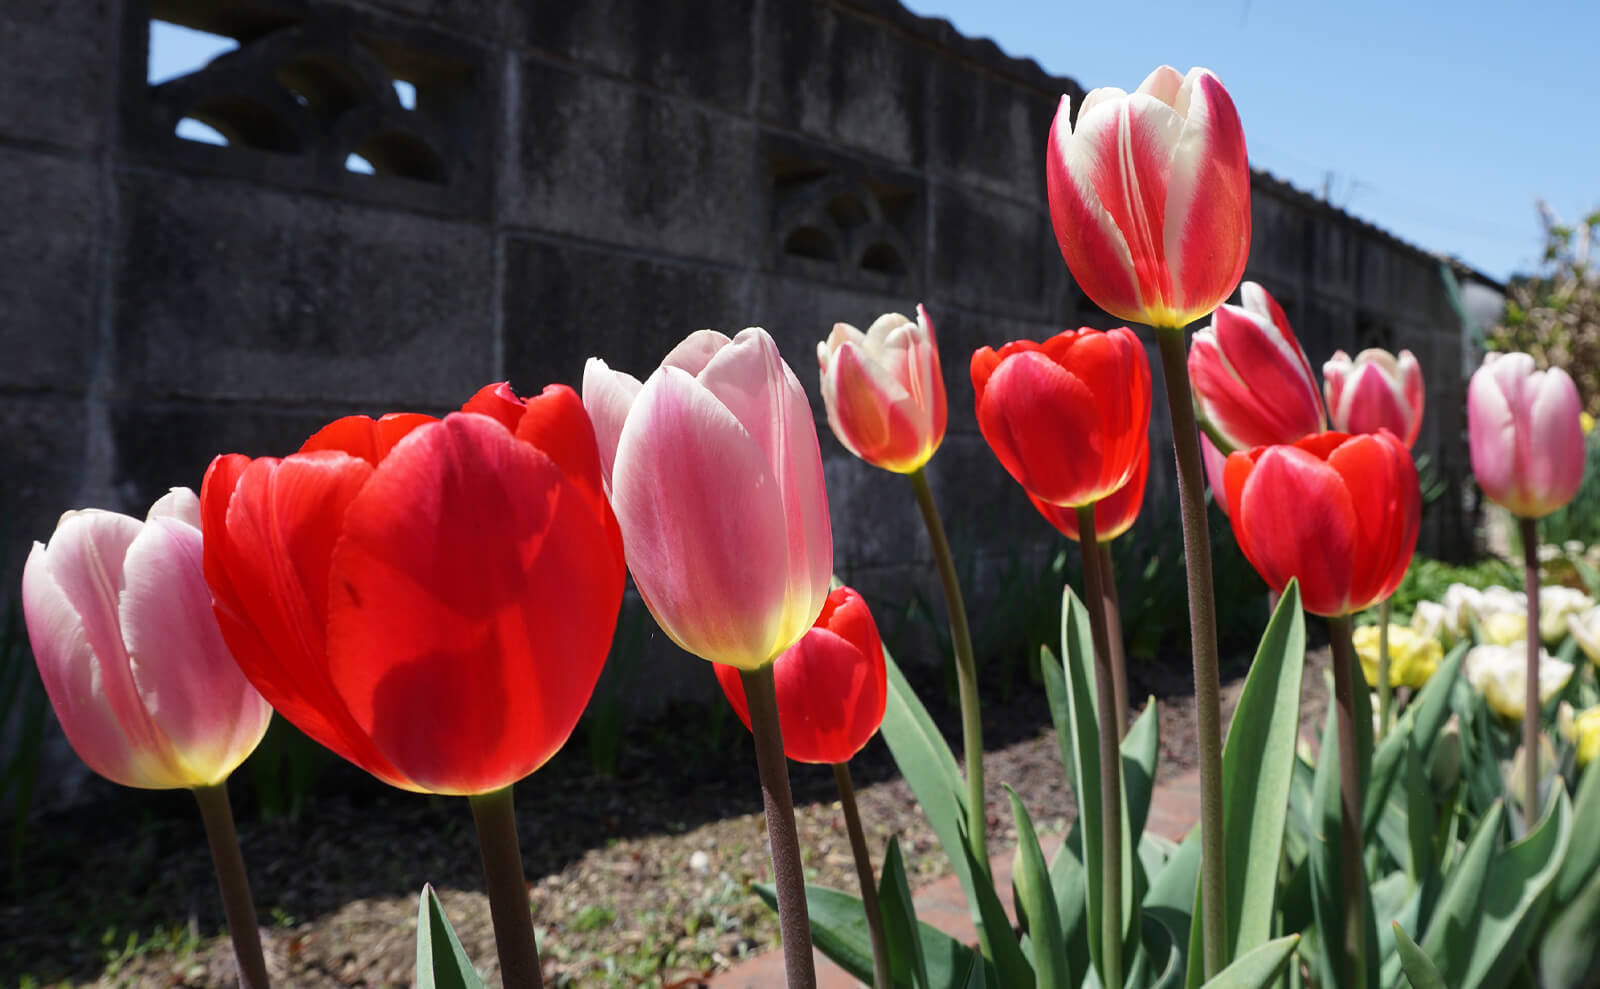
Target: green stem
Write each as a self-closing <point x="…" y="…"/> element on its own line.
<point x="496" y="818"/>
<point x="237" y="906"/>
<point x="882" y="979"/>
<point x="1113" y="615"/>
<point x="1353" y="885"/>
<point x="1203" y="644"/>
<point x="761" y="693"/>
<point x="1385" y="691"/>
<point x="966" y="671"/>
<point x="1110" y="760"/>
<point x="1530" y="713"/>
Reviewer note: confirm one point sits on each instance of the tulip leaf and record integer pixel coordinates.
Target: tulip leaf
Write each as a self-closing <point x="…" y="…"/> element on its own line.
<point x="1140" y="749"/>
<point x="1069" y="882"/>
<point x="1569" y="948"/>
<point x="1418" y="966"/>
<point x="1006" y="955"/>
<point x="1424" y="718"/>
<point x="1036" y="902"/>
<point x="1516" y="896"/>
<point x="1325" y="859"/>
<point x="839" y="930"/>
<point x="441" y="961"/>
<point x="1258" y="967"/>
<point x="1257" y="776"/>
<point x="924" y="759"/>
<point x="1583" y="858"/>
<point x="906" y="963"/>
<point x="1452" y="928"/>
<point x="1160" y="948"/>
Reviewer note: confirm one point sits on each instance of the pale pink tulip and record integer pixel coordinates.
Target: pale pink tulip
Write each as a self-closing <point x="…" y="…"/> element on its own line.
<point x="120" y="619"/>
<point x="884" y="390"/>
<point x="1252" y="383"/>
<point x="1526" y="434"/>
<point x="714" y="472"/>
<point x="1150" y="196"/>
<point x="1377" y="390"/>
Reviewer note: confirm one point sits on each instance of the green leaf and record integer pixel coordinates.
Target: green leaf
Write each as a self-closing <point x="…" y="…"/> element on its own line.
<point x="1257" y="775"/>
<point x="1070" y="884"/>
<point x="1420" y="726"/>
<point x="1036" y="903"/>
<point x="1583" y="858"/>
<point x="1009" y="962"/>
<point x="1569" y="948"/>
<point x="1418" y="966"/>
<point x="441" y="961"/>
<point x="1070" y="688"/>
<point x="839" y="930"/>
<point x="1140" y="749"/>
<point x="1516" y="896"/>
<point x="1162" y="949"/>
<point x="1452" y="928"/>
<point x="1257" y="968"/>
<point x="1325" y="859"/>
<point x="906" y="963"/>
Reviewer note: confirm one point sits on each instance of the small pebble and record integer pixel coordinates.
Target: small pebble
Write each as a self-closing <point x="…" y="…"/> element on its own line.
<point x="700" y="862"/>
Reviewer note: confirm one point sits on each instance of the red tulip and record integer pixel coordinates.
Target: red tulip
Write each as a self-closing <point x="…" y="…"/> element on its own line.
<point x="431" y="599"/>
<point x="1377" y="390"/>
<point x="1252" y="383"/>
<point x="1067" y="418"/>
<point x="1337" y="511"/>
<point x="1113" y="515"/>
<point x="832" y="685"/>
<point x="1150" y="196"/>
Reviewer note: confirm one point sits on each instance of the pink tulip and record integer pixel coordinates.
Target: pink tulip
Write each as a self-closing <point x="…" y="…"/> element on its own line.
<point x="884" y="390"/>
<point x="1526" y="434"/>
<point x="1375" y="391"/>
<point x="714" y="472"/>
<point x="1150" y="196"/>
<point x="1252" y="383"/>
<point x="120" y="619"/>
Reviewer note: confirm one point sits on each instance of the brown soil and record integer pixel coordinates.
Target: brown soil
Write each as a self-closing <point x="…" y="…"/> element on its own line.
<point x="640" y="878"/>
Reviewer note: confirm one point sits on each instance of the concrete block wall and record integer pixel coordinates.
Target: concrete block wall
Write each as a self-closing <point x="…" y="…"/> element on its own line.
<point x="576" y="179"/>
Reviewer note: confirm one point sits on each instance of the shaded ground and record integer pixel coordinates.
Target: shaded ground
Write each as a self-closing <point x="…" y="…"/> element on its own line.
<point x="637" y="879"/>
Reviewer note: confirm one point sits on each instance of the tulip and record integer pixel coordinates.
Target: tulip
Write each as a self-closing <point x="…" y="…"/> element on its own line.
<point x="1501" y="628"/>
<point x="1339" y="512"/>
<point x="1582" y="729"/>
<point x="884" y="391"/>
<point x="1585" y="630"/>
<point x="431" y="599"/>
<point x="1526" y="439"/>
<point x="832" y="685"/>
<point x="1413" y="657"/>
<point x="1432" y="620"/>
<point x="1375" y="391"/>
<point x="1113" y="515"/>
<point x="1500" y="674"/>
<point x="1066" y="418"/>
<point x="1252" y="383"/>
<point x="1150" y="196"/>
<point x="715" y="473"/>
<point x="130" y="655"/>
<point x="1556" y="605"/>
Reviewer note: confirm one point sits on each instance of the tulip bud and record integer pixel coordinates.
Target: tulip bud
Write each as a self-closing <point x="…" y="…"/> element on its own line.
<point x="1150" y="196"/>
<point x="884" y="391"/>
<point x="1252" y="383"/>
<point x="1526" y="438"/>
<point x="1375" y="391"/>
<point x="1516" y="776"/>
<point x="120" y="619"/>
<point x="1444" y="763"/>
<point x="832" y="685"/>
<point x="716" y="477"/>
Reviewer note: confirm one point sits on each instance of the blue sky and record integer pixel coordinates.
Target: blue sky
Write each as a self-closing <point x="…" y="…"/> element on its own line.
<point x="1440" y="123"/>
<point x="1439" y="129"/>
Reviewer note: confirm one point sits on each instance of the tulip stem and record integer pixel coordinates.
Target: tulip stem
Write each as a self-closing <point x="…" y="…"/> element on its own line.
<point x="1203" y="644"/>
<point x="761" y="692"/>
<point x="1385" y="690"/>
<point x="1530" y="710"/>
<point x="1110" y="759"/>
<point x="496" y="818"/>
<point x="966" y="672"/>
<point x="1350" y="862"/>
<point x="237" y="906"/>
<point x="869" y="885"/>
<point x="1113" y="615"/>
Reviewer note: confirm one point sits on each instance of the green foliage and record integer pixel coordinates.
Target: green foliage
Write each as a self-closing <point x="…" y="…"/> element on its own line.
<point x="441" y="961"/>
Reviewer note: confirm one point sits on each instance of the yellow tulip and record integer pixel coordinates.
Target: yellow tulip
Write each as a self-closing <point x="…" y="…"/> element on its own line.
<point x="1412" y="656"/>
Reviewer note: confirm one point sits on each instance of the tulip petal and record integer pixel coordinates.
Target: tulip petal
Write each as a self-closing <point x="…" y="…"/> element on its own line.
<point x="1492" y="432"/>
<point x="1555" y="465"/>
<point x="1206" y="228"/>
<point x="703" y="521"/>
<point x="1091" y="243"/>
<point x="365" y="437"/>
<point x="696" y="350"/>
<point x="469" y="550"/>
<point x="1382" y="482"/>
<point x="607" y="397"/>
<point x="1317" y="542"/>
<point x="182" y="669"/>
<point x="499" y="402"/>
<point x="1024" y="416"/>
<point x="178" y="503"/>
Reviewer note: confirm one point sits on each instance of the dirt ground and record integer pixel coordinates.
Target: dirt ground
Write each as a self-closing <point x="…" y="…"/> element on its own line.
<point x="637" y="878"/>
